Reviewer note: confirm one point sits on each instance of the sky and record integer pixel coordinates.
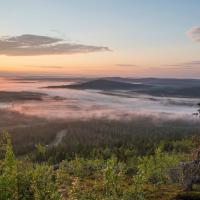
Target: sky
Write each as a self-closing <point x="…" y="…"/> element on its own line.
<point x="138" y="38"/>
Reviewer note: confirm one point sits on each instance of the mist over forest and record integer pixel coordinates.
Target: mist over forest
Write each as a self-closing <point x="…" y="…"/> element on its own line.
<point x="99" y="100"/>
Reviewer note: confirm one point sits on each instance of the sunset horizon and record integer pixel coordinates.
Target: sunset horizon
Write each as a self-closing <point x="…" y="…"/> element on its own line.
<point x="100" y="38"/>
<point x="100" y="100"/>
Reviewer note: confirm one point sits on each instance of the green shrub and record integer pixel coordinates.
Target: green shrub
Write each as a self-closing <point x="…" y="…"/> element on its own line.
<point x="8" y="173"/>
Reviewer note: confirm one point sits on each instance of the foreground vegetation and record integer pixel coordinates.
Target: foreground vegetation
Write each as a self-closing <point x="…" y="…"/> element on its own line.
<point x="97" y="160"/>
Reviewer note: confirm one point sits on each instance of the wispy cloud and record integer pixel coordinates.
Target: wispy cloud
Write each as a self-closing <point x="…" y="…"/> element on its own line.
<point x="47" y="67"/>
<point x="126" y="65"/>
<point x="31" y="45"/>
<point x="194" y="33"/>
<point x="191" y="64"/>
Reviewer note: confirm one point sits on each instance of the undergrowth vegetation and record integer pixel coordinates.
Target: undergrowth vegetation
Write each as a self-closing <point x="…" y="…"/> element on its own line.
<point x="97" y="160"/>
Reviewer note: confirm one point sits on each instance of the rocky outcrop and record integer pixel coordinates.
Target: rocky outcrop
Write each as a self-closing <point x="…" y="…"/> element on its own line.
<point x="191" y="171"/>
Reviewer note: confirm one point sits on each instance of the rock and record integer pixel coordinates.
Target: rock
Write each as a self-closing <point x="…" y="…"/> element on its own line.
<point x="191" y="172"/>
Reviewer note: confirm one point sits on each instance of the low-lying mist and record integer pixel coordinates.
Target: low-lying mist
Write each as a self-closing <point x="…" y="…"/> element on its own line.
<point x="67" y="104"/>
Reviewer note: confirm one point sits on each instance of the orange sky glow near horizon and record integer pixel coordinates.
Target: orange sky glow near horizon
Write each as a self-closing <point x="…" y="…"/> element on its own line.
<point x="100" y="38"/>
<point x="114" y="63"/>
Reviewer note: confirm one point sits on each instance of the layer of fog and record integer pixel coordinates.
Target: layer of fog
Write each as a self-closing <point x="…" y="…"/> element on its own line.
<point x="79" y="104"/>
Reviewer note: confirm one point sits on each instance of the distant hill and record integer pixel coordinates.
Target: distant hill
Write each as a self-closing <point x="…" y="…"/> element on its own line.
<point x="103" y="84"/>
<point x="160" y="81"/>
<point x="189" y="88"/>
<point x="187" y="92"/>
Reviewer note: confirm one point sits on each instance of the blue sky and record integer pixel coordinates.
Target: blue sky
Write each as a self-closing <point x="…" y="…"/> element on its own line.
<point x="146" y="33"/>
